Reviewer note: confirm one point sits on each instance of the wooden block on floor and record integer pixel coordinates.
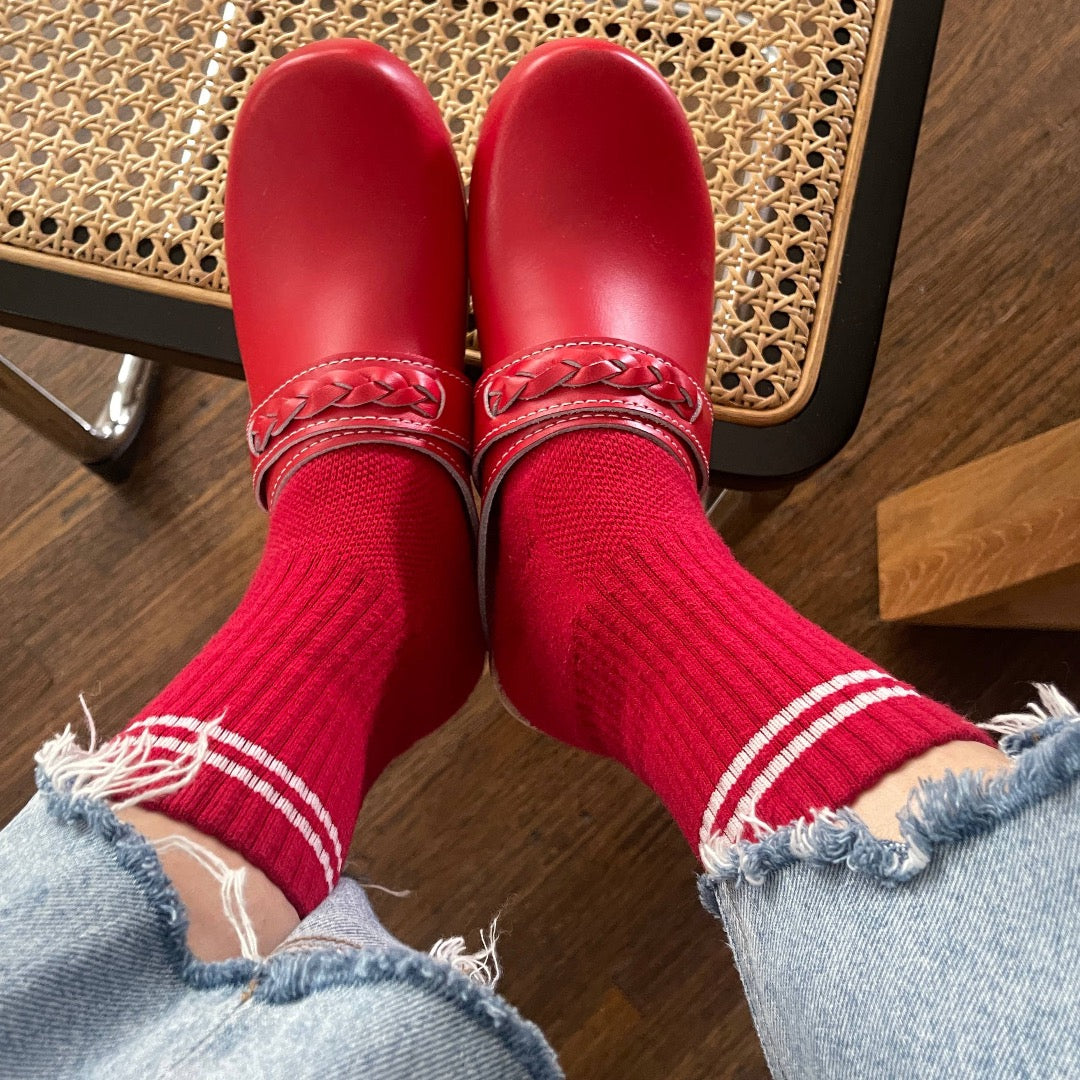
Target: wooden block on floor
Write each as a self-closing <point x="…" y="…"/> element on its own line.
<point x="995" y="542"/>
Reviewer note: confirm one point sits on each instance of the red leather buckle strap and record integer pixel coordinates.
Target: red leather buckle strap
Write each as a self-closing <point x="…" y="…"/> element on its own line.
<point x="392" y="399"/>
<point x="588" y="384"/>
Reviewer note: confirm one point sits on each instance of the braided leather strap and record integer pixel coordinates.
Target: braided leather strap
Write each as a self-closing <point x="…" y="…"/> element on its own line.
<point x="403" y="400"/>
<point x="536" y="377"/>
<point x="588" y="384"/>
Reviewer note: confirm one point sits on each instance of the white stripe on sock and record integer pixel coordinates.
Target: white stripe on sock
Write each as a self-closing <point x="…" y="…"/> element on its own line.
<point x="266" y="791"/>
<point x="765" y="734"/>
<point x="264" y="758"/>
<point x="800" y="744"/>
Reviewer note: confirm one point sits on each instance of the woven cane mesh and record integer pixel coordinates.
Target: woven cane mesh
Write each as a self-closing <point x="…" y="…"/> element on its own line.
<point x="115" y="118"/>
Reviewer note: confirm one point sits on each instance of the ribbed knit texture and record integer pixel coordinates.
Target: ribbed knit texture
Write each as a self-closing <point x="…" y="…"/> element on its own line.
<point x="357" y="635"/>
<point x="623" y="624"/>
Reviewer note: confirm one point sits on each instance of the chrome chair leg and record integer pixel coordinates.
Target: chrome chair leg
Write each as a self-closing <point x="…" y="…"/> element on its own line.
<point x="103" y="445"/>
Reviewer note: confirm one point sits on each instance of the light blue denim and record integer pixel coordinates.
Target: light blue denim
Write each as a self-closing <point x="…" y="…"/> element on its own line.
<point x="96" y="979"/>
<point x="955" y="954"/>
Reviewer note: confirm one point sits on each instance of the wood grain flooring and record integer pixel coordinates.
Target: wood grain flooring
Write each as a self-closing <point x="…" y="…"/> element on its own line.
<point x="110" y="590"/>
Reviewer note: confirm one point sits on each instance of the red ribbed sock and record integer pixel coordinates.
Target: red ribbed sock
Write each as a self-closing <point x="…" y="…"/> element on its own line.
<point x="624" y="625"/>
<point x="357" y="636"/>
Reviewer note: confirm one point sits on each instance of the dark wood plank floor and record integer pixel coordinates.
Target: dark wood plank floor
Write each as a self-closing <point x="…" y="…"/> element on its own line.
<point x="110" y="590"/>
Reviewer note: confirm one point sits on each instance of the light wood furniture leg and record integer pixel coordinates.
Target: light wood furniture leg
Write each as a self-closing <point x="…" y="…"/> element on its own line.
<point x="995" y="542"/>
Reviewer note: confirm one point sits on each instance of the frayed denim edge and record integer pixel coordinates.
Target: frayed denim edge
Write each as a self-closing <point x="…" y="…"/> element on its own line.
<point x="939" y="812"/>
<point x="135" y="855"/>
<point x="289" y="975"/>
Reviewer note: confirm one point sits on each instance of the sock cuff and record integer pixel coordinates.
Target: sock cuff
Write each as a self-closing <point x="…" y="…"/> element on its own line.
<point x="824" y="749"/>
<point x="251" y="800"/>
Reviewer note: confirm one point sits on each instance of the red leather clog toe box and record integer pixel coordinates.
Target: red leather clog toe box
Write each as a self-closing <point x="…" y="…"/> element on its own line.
<point x="345" y="233"/>
<point x="591" y="258"/>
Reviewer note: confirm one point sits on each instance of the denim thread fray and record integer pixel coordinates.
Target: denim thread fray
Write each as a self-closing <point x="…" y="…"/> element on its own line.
<point x="292" y="974"/>
<point x="135" y="855"/>
<point x="127" y="771"/>
<point x="289" y="974"/>
<point x="1044" y="744"/>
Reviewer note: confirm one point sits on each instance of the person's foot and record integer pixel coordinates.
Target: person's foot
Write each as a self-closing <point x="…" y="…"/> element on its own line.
<point x="359" y="632"/>
<point x="618" y="620"/>
<point x="345" y="232"/>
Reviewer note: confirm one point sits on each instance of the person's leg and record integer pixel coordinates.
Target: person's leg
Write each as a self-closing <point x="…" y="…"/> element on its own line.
<point x="97" y="981"/>
<point x="652" y="645"/>
<point x="618" y="620"/>
<point x="952" y="954"/>
<point x="879" y="806"/>
<point x="622" y="624"/>
<point x="309" y="689"/>
<point x="359" y="632"/>
<point x="655" y="647"/>
<point x="194" y="862"/>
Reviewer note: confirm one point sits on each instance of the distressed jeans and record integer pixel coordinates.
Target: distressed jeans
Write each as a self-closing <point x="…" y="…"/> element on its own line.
<point x="954" y="954"/>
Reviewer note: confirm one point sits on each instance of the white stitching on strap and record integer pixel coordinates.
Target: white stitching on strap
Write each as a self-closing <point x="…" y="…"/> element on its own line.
<point x="387" y="423"/>
<point x="624" y="406"/>
<point x="580" y="345"/>
<point x="439" y="372"/>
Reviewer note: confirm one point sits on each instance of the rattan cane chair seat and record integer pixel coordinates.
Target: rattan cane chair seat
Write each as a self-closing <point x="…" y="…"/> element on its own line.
<point x="115" y="118"/>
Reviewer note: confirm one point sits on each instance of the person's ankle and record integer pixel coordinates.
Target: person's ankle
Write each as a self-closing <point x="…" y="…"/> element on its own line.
<point x="213" y="934"/>
<point x="879" y="805"/>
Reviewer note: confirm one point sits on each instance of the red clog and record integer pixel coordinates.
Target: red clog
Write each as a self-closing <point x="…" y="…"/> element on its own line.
<point x="345" y="234"/>
<point x="591" y="257"/>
